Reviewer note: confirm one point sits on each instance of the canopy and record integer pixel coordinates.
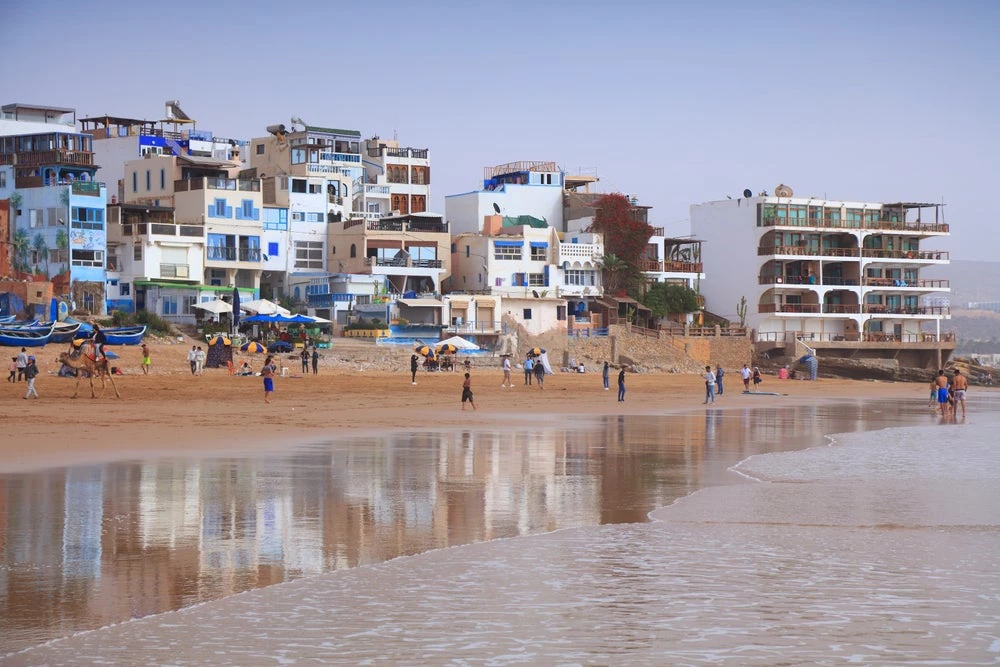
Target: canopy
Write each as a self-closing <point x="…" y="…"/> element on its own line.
<point x="264" y="307"/>
<point x="460" y="343"/>
<point x="215" y="339"/>
<point x="218" y="306"/>
<point x="446" y="348"/>
<point x="285" y="318"/>
<point x="253" y="347"/>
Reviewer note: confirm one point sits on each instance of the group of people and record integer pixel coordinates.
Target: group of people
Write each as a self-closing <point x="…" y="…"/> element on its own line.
<point x="949" y="394"/>
<point x="306" y="357"/>
<point x="196" y="357"/>
<point x="23" y="367"/>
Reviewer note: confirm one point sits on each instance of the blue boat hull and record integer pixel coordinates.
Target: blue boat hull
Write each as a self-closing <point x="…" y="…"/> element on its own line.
<point x="125" y="335"/>
<point x="29" y="337"/>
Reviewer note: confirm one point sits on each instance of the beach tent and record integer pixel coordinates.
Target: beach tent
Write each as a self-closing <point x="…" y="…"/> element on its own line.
<point x="543" y="359"/>
<point x="279" y="318"/>
<point x="219" y="352"/>
<point x="216" y="307"/>
<point x="264" y="307"/>
<point x="459" y="343"/>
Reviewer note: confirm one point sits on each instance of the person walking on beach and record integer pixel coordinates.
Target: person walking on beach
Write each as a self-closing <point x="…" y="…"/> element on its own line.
<point x="30" y="373"/>
<point x="506" y="374"/>
<point x="961" y="385"/>
<point x="467" y="392"/>
<point x="199" y="360"/>
<point x="941" y="381"/>
<point x="757" y="379"/>
<point x="413" y="369"/>
<point x="540" y="375"/>
<point x="267" y="372"/>
<point x="22" y="363"/>
<point x="745" y="374"/>
<point x="193" y="359"/>
<point x="709" y="385"/>
<point x="718" y="379"/>
<point x="12" y="367"/>
<point x="606" y="376"/>
<point x="146" y="359"/>
<point x="529" y="366"/>
<point x="315" y="360"/>
<point x="305" y="361"/>
<point x="621" y="385"/>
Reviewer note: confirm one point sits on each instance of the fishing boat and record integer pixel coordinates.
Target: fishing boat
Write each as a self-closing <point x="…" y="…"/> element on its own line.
<point x="125" y="335"/>
<point x="25" y="336"/>
<point x="21" y="324"/>
<point x="6" y="319"/>
<point x="64" y="332"/>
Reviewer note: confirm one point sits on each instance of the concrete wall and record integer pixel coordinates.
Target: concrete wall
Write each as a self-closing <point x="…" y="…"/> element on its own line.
<point x="466" y="211"/>
<point x="730" y="261"/>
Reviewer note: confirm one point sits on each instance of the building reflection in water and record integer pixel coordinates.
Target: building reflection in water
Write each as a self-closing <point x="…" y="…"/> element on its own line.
<point x="93" y="545"/>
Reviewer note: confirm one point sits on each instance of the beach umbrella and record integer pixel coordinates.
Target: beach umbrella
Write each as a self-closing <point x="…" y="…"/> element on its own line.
<point x="447" y="348"/>
<point x="424" y="350"/>
<point x="536" y="352"/>
<point x="253" y="347"/>
<point x="216" y="307"/>
<point x="215" y="339"/>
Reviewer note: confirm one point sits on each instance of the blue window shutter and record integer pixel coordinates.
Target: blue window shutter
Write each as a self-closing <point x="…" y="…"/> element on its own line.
<point x="272" y="249"/>
<point x="546" y="275"/>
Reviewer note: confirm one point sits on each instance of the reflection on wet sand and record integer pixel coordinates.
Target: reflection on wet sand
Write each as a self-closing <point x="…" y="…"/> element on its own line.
<point x="85" y="547"/>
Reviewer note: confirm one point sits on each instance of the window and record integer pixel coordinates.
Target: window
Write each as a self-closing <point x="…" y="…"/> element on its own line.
<point x="309" y="254"/>
<point x="560" y="313"/>
<point x="578" y="277"/>
<point x="169" y="305"/>
<point x="260" y="149"/>
<point x="58" y="256"/>
<point x="315" y="188"/>
<point x="354" y="250"/>
<point x="272" y="249"/>
<point x="125" y="289"/>
<point x="187" y="305"/>
<point x="298" y="185"/>
<point x="527" y="314"/>
<point x="538" y="254"/>
<point x="218" y="209"/>
<point x="505" y="251"/>
<point x="536" y="280"/>
<point x="3" y="179"/>
<point x="276" y="218"/>
<point x="135" y="182"/>
<point x="282" y="183"/>
<point x="137" y="252"/>
<point x="88" y="258"/>
<point x="298" y="156"/>
<point x="86" y="218"/>
<point x="148" y="186"/>
<point x="34" y="217"/>
<point x="163" y="179"/>
<point x="246" y="211"/>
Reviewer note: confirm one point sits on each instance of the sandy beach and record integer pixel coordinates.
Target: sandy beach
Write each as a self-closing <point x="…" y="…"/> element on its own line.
<point x="171" y="411"/>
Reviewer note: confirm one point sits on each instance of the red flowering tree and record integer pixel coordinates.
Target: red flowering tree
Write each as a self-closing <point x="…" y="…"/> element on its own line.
<point x="625" y="238"/>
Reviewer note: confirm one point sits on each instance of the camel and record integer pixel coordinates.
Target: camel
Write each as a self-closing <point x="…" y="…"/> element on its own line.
<point x="83" y="361"/>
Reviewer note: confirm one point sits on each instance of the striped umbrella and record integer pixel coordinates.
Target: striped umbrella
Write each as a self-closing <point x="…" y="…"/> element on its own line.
<point x="225" y="340"/>
<point x="536" y="352"/>
<point x="424" y="350"/>
<point x="253" y="347"/>
<point x="447" y="348"/>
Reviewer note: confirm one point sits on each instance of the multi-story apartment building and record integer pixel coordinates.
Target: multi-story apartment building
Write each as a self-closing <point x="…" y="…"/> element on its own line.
<point x="58" y="209"/>
<point x="842" y="277"/>
<point x="522" y="192"/>
<point x="118" y="140"/>
<point x="216" y="233"/>
<point x="397" y="180"/>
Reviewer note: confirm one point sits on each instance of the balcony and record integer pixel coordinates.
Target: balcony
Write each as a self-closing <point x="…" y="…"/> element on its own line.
<point x="313" y="168"/>
<point x="231" y="254"/>
<point x="45" y="158"/>
<point x="579" y="252"/>
<point x="404" y="262"/>
<point x="917" y="284"/>
<point x="795" y="308"/>
<point x="175" y="271"/>
<point x="376" y="190"/>
<point x="409" y="225"/>
<point x="476" y="328"/>
<point x="811" y="281"/>
<point x="340" y="157"/>
<point x="214" y="183"/>
<point x="867" y="337"/>
<point x="162" y="229"/>
<point x="934" y="256"/>
<point x="417" y="153"/>
<point x="657" y="266"/>
<point x="841" y="309"/>
<point x="881" y="309"/>
<point x="807" y="250"/>
<point x="87" y="188"/>
<point x="880" y="225"/>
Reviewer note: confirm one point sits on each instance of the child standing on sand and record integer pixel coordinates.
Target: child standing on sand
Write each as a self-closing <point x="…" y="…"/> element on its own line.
<point x="467" y="392"/>
<point x="267" y="372"/>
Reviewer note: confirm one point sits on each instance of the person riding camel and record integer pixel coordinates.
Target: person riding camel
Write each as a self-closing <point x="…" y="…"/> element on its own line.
<point x="100" y="340"/>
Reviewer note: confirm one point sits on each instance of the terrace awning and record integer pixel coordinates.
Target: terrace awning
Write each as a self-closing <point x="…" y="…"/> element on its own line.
<point x="421" y="303"/>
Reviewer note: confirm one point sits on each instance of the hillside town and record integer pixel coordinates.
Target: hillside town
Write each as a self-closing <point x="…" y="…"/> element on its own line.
<point x="110" y="214"/>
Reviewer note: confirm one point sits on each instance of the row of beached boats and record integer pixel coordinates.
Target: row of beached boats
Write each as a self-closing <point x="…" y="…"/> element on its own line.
<point x="32" y="333"/>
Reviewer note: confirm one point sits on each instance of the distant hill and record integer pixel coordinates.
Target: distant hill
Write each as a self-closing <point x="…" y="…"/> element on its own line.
<point x="970" y="281"/>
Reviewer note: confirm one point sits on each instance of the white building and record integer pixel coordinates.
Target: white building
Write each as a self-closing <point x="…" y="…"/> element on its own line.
<point x="837" y="275"/>
<point x="396" y="182"/>
<point x="522" y="192"/>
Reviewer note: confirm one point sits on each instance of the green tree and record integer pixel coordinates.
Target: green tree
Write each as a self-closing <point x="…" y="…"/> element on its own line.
<point x="62" y="243"/>
<point x="625" y="236"/>
<point x="614" y="268"/>
<point x="666" y="299"/>
<point x="41" y="249"/>
<point x="22" y="244"/>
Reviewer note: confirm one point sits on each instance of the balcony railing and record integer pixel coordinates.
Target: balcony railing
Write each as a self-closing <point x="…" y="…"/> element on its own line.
<point x="867" y="337"/>
<point x="175" y="271"/>
<point x="656" y="266"/>
<point x="789" y="308"/>
<point x="935" y="255"/>
<point x="215" y="183"/>
<point x="884" y="225"/>
<point x="43" y="158"/>
<point x="404" y="262"/>
<point x="387" y="225"/>
<point x="918" y="284"/>
<point x="880" y="309"/>
<point x="249" y="254"/>
<point x="162" y="229"/>
<point x="808" y="280"/>
<point x="766" y="251"/>
<point x="841" y="308"/>
<point x="87" y="188"/>
<point x="476" y="327"/>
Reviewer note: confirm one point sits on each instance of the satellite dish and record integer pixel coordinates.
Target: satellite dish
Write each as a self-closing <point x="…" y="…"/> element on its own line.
<point x="782" y="191"/>
<point x="534" y="293"/>
<point x="496" y="207"/>
<point x="748" y="193"/>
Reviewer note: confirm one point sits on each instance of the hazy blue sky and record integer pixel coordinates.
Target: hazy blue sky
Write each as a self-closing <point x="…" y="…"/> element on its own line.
<point x="678" y="104"/>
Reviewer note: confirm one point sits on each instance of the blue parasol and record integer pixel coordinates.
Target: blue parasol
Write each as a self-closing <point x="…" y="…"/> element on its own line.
<point x="236" y="309"/>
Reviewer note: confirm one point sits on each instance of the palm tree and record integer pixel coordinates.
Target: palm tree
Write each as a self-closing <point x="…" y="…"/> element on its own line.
<point x="613" y="267"/>
<point x="62" y="243"/>
<point x="41" y="249"/>
<point x="22" y="244"/>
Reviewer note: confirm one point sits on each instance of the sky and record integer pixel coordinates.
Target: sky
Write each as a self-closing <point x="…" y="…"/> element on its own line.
<point x="677" y="103"/>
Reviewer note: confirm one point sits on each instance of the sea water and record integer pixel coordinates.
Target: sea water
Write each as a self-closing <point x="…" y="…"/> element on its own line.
<point x="868" y="548"/>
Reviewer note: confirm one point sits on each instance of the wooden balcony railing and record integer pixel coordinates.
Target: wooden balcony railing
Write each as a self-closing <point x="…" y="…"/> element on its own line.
<point x="935" y="255"/>
<point x="657" y="266"/>
<point x="879" y="309"/>
<point x="897" y="282"/>
<point x="882" y="225"/>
